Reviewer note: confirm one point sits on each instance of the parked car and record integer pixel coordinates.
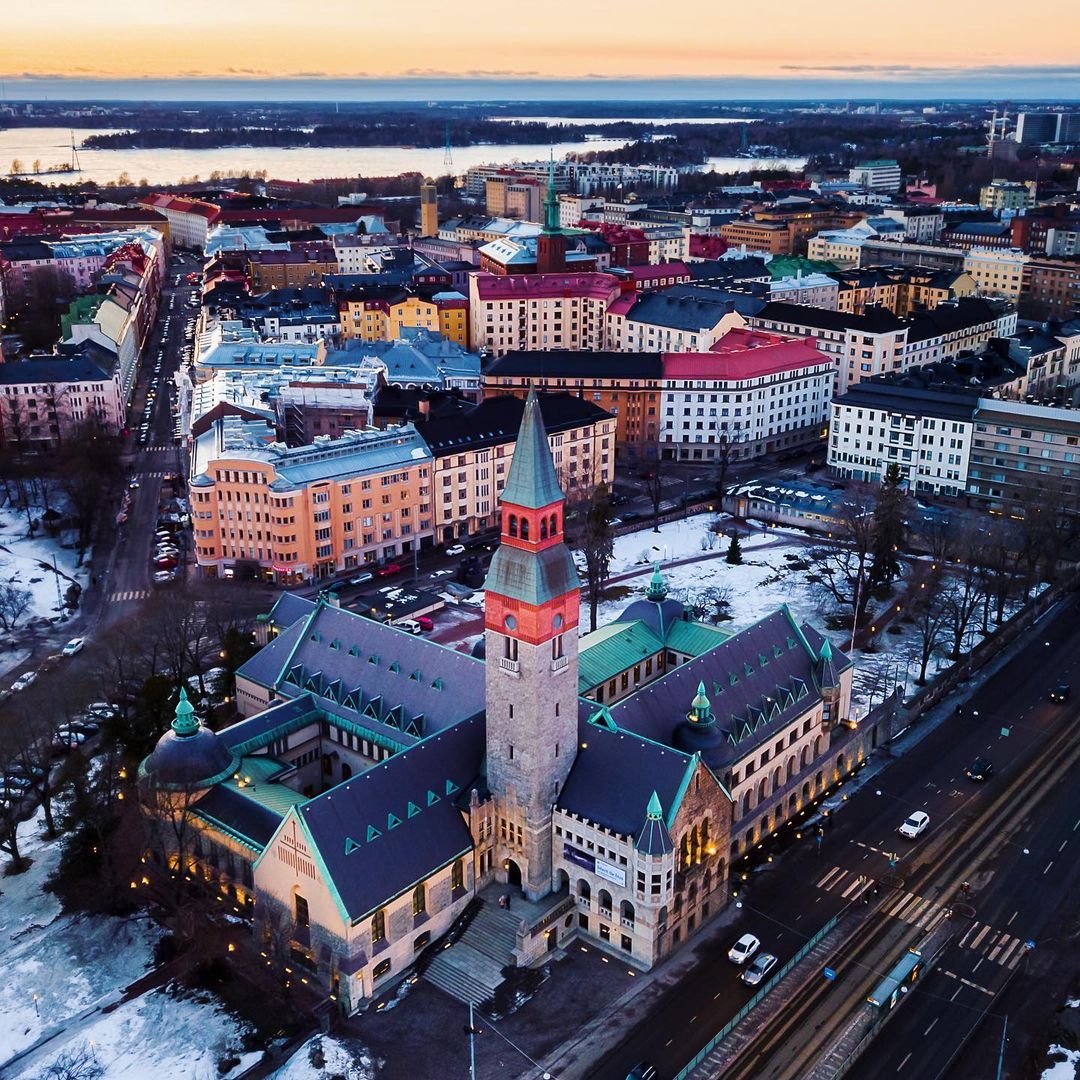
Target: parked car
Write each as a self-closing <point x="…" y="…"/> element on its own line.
<point x="165" y="563"/>
<point x="23" y="681"/>
<point x="915" y="825"/>
<point x="362" y="579"/>
<point x="743" y="949"/>
<point x="389" y="569"/>
<point x="31" y="772"/>
<point x="101" y="710"/>
<point x="456" y="549"/>
<point x="424" y="623"/>
<point x="164" y="577"/>
<point x="75" y="645"/>
<point x="758" y="968"/>
<point x="980" y="769"/>
<point x="410" y="626"/>
<point x="1061" y="693"/>
<point x="643" y="1071"/>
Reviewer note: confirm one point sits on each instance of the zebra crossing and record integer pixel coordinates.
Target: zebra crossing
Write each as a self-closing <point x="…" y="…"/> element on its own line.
<point x="997" y="946"/>
<point x="152" y="475"/>
<point x="129" y="594"/>
<point x="157" y="448"/>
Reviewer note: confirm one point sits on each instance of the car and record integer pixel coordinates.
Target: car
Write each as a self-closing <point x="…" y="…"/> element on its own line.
<point x="30" y="772"/>
<point x="335" y="586"/>
<point x="389" y="569"/>
<point x="100" y="710"/>
<point x="474" y="600"/>
<point x="171" y="549"/>
<point x="424" y="623"/>
<point x="166" y="562"/>
<point x="23" y="681"/>
<point x="980" y="769"/>
<point x="758" y="968"/>
<point x="164" y="577"/>
<point x="16" y="783"/>
<point x="456" y="549"/>
<point x="87" y="727"/>
<point x="362" y="579"/>
<point x="915" y="825"/>
<point x="643" y="1070"/>
<point x="1061" y="693"/>
<point x="410" y="626"/>
<point x="441" y="573"/>
<point x="75" y="645"/>
<point x="743" y="949"/>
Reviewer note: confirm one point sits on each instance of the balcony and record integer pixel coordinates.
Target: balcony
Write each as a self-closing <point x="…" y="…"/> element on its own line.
<point x="560" y="663"/>
<point x="511" y="667"/>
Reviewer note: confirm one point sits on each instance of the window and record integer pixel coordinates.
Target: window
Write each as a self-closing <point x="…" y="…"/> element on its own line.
<point x="381" y="968"/>
<point x="457" y="875"/>
<point x="378" y="927"/>
<point x="301" y="908"/>
<point x="419" y="900"/>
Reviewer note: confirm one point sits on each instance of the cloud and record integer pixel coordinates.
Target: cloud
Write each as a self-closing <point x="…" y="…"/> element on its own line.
<point x="927" y="72"/>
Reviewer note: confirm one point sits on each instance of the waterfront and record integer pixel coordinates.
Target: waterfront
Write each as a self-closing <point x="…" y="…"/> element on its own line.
<point x="157" y="166"/>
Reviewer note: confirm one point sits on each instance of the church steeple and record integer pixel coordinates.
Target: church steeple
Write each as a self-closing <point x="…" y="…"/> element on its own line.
<point x="551" y="243"/>
<point x="551" y="202"/>
<point x="531" y="672"/>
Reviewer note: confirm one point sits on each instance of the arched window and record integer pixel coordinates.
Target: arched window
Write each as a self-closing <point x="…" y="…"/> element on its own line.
<point x="378" y="927"/>
<point x="583" y="889"/>
<point x="543" y="528"/>
<point x="554" y="527"/>
<point x="746" y="802"/>
<point x="661" y="918"/>
<point x="419" y="900"/>
<point x="626" y="911"/>
<point x="763" y="790"/>
<point x="457" y="875"/>
<point x="513" y="525"/>
<point x="524" y="528"/>
<point x="791" y="767"/>
<point x="603" y="898"/>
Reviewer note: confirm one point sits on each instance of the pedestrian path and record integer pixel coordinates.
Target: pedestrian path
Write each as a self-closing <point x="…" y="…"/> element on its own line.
<point x="130" y="594"/>
<point x="996" y="946"/>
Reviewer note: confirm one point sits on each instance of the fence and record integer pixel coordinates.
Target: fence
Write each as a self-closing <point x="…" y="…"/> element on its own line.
<point x="756" y="1000"/>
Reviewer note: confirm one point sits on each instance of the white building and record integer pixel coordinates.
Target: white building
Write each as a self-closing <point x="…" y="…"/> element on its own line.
<point x="759" y="392"/>
<point x="881" y="175"/>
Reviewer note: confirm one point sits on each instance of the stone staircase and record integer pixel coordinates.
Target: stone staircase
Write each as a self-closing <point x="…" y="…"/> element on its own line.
<point x="471" y="969"/>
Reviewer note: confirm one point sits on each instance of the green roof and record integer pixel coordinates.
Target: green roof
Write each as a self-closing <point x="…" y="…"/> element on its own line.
<point x="611" y="649"/>
<point x="532" y="482"/>
<point x="695" y="638"/>
<point x="782" y="266"/>
<point x="532" y="577"/>
<point x="260" y="770"/>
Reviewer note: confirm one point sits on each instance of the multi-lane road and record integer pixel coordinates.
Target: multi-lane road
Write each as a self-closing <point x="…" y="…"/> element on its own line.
<point x="786" y="905"/>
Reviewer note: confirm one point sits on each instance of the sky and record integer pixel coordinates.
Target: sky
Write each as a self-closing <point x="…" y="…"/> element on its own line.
<point x="987" y="46"/>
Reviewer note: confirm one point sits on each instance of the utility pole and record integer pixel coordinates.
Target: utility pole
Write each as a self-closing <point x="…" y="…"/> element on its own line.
<point x="472" y="1045"/>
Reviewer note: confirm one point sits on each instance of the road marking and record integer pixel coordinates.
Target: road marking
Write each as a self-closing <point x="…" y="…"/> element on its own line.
<point x="977" y="963"/>
<point x="905" y="899"/>
<point x="995" y="952"/>
<point x="668" y="1043"/>
<point x="1011" y="917"/>
<point x="967" y="933"/>
<point x="824" y="882"/>
<point x="853" y="887"/>
<point x="937" y="920"/>
<point x="904" y="1062"/>
<point x="1048" y="865"/>
<point x="717" y="994"/>
<point x="978" y="939"/>
<point x="693" y="1018"/>
<point x="1076" y="826"/>
<point x="131" y="594"/>
<point x="955" y="993"/>
<point x="1063" y="843"/>
<point x="916" y="912"/>
<point x="931" y="1027"/>
<point x="1008" y="953"/>
<point x="930" y="913"/>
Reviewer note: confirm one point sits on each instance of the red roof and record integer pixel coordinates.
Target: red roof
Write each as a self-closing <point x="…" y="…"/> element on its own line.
<point x="523" y="286"/>
<point x="745" y="354"/>
<point x="653" y="271"/>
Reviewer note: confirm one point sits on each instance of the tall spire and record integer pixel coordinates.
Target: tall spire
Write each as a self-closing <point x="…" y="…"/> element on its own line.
<point x="185" y="722"/>
<point x="551" y="201"/>
<point x="532" y="482"/>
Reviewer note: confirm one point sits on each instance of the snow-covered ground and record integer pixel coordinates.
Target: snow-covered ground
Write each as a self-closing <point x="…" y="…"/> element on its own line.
<point x="1068" y="1068"/>
<point x="322" y="1057"/>
<point x="56" y="967"/>
<point x="22" y="558"/>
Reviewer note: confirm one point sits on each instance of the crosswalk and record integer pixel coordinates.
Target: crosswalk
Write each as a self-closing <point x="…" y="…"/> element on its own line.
<point x="156" y="448"/>
<point x="997" y="946"/>
<point x="151" y="475"/>
<point x="129" y="594"/>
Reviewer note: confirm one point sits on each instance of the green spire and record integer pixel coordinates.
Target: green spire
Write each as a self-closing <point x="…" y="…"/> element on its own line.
<point x="655" y="812"/>
<point x="551" y="201"/>
<point x="185" y="722"/>
<point x="826" y="650"/>
<point x="657" y="585"/>
<point x="700" y="708"/>
<point x="532" y="482"/>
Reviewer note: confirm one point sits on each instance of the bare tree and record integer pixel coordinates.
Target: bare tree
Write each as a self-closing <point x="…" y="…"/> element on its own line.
<point x="14" y="604"/>
<point x="726" y="453"/>
<point x="592" y="537"/>
<point x="80" y="1063"/>
<point x="169" y="822"/>
<point x="842" y="571"/>
<point x="963" y="593"/>
<point x="930" y="613"/>
<point x="653" y="480"/>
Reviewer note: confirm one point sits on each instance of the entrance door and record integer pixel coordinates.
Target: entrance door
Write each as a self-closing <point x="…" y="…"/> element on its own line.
<point x="513" y="873"/>
<point x="553" y="939"/>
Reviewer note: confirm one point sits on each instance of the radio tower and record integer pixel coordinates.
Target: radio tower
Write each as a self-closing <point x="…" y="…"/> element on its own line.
<point x="448" y="154"/>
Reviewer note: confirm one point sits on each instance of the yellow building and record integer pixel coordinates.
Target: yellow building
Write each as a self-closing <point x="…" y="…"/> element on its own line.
<point x="429" y="209"/>
<point x="381" y="312"/>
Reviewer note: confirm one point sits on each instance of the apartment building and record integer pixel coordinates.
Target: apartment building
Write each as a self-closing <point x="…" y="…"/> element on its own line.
<point x="997" y="273"/>
<point x="756" y="391"/>
<point x="922" y="224"/>
<point x="302" y="264"/>
<point x="385" y="312"/>
<point x="472" y="453"/>
<point x="881" y="175"/>
<point x="901" y="289"/>
<point x="539" y="311"/>
<point x="293" y="514"/>
<point x="682" y="318"/>
<point x="190" y="220"/>
<point x="1001" y="195"/>
<point x="1051" y="288"/>
<point x="627" y="385"/>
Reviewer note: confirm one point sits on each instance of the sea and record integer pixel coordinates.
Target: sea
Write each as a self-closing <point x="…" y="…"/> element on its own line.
<point x="52" y="145"/>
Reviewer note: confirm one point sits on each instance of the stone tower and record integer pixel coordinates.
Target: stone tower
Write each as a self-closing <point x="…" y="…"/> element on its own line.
<point x="551" y="243"/>
<point x="429" y="209"/>
<point x="530" y="629"/>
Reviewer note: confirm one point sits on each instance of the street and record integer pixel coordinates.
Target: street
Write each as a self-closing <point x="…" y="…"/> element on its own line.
<point x="790" y="898"/>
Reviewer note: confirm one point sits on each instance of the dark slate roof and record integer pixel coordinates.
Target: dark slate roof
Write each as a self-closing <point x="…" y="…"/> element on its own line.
<point x="189" y="760"/>
<point x="262" y="727"/>
<point x="560" y="363"/>
<point x="289" y="607"/>
<point x="875" y="321"/>
<point x="659" y="617"/>
<point x="728" y="269"/>
<point x="681" y="308"/>
<point x="614" y="776"/>
<point x="497" y="420"/>
<point x="53" y="369"/>
<point x="654" y="838"/>
<point x="380" y="833"/>
<point x="953" y="315"/>
<point x="381" y="678"/>
<point x="756" y="682"/>
<point x="234" y="813"/>
<point x="945" y="403"/>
